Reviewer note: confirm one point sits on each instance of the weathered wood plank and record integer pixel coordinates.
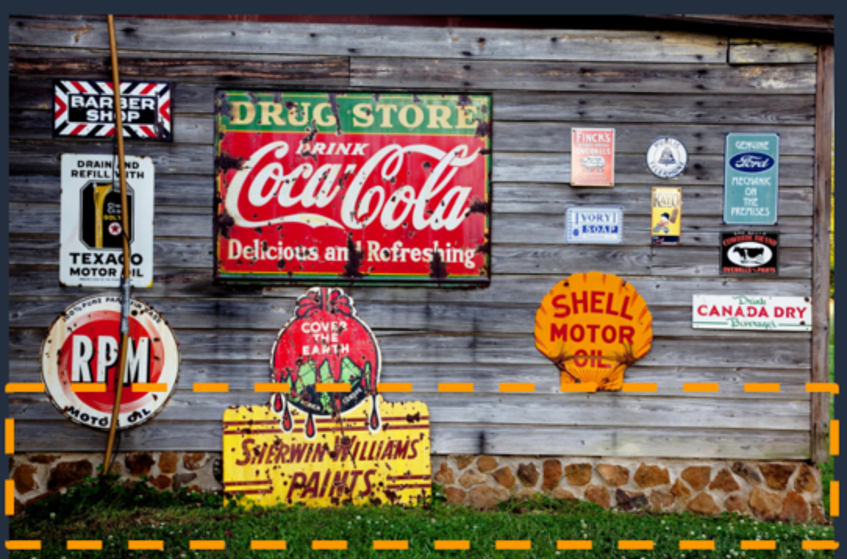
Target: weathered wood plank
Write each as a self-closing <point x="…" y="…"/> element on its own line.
<point x="545" y="137"/>
<point x="488" y="377"/>
<point x="704" y="261"/>
<point x="209" y="68"/>
<point x="567" y="409"/>
<point x="588" y="76"/>
<point x="769" y="51"/>
<point x="614" y="108"/>
<point x="43" y="282"/>
<point x="370" y="40"/>
<point x="794" y="171"/>
<point x="62" y="436"/>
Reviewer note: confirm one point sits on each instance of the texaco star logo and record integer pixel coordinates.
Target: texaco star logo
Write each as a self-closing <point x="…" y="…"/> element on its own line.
<point x="115" y="228"/>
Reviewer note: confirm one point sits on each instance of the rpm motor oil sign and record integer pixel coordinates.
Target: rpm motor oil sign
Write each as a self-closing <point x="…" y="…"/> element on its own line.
<point x="91" y="252"/>
<point x="327" y="437"/>
<point x="373" y="188"/>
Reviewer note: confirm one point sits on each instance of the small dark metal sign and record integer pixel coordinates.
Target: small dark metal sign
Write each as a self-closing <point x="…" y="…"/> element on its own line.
<point x="85" y="109"/>
<point x="749" y="252"/>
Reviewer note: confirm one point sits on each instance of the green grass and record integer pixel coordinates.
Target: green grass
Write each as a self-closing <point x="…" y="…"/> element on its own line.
<point x="116" y="515"/>
<point x="828" y="468"/>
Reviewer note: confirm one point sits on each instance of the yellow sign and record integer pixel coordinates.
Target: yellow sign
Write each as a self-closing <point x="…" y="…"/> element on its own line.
<point x="344" y="463"/>
<point x="593" y="326"/>
<point x="667" y="207"/>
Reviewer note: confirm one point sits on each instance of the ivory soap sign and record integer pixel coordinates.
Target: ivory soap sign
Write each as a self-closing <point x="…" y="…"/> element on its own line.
<point x="752" y="313"/>
<point x="91" y="247"/>
<point x="593" y="157"/>
<point x="368" y="188"/>
<point x="327" y="437"/>
<point x="751" y="179"/>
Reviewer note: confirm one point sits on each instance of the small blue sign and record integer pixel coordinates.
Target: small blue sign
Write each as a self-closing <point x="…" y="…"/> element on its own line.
<point x="598" y="225"/>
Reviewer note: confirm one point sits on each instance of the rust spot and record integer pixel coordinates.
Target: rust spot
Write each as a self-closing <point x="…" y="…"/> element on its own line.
<point x="412" y="418"/>
<point x="333" y="107"/>
<point x="478" y="207"/>
<point x="224" y="222"/>
<point x="354" y="260"/>
<point x="463" y="101"/>
<point x="224" y="163"/>
<point x="437" y="267"/>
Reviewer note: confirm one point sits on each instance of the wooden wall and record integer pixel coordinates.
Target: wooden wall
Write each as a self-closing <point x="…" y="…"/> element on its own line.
<point x="645" y="84"/>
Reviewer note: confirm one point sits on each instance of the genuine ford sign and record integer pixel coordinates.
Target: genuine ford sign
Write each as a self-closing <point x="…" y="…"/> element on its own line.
<point x="751" y="162"/>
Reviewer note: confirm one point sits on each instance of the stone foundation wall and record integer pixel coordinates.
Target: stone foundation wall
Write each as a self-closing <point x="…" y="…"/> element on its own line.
<point x="787" y="491"/>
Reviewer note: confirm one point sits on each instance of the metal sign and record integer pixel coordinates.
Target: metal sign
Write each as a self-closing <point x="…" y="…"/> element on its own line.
<point x="592" y="157"/>
<point x="327" y="437"/>
<point x="750" y="252"/>
<point x="91" y="243"/>
<point x="667" y="157"/>
<point x="86" y="109"/>
<point x="666" y="221"/>
<point x="367" y="188"/>
<point x="752" y="313"/>
<point x="593" y="326"/>
<point x="594" y="224"/>
<point x="81" y="350"/>
<point x="751" y="179"/>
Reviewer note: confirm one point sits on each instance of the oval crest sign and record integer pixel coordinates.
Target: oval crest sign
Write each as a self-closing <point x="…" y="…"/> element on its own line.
<point x="751" y="162"/>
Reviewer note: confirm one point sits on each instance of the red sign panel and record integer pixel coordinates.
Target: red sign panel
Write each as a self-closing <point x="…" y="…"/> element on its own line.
<point x="367" y="188"/>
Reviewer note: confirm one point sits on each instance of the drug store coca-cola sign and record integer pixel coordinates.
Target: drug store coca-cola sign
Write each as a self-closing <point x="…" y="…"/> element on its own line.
<point x="368" y="188"/>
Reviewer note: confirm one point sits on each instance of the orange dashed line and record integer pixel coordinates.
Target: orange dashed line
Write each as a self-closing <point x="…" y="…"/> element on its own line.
<point x="579" y="387"/>
<point x="268" y="545"/>
<point x="146" y="545"/>
<point x="394" y="387"/>
<point x="761" y="387"/>
<point x="822" y="388"/>
<point x="88" y="387"/>
<point x="640" y="387"/>
<point x="150" y="387"/>
<point x="820" y="545"/>
<point x="452" y="545"/>
<point x="635" y="545"/>
<point x="700" y="387"/>
<point x="24" y="388"/>
<point x="23" y="545"/>
<point x="758" y="545"/>
<point x="455" y="387"/>
<point x="696" y="545"/>
<point x="10" y="436"/>
<point x="834" y="438"/>
<point x="10" y="497"/>
<point x="513" y="545"/>
<point x="207" y="545"/>
<point x="834" y="498"/>
<point x="85" y="545"/>
<point x="575" y="545"/>
<point x="517" y="387"/>
<point x="329" y="545"/>
<point x="332" y="387"/>
<point x="211" y="387"/>
<point x="271" y="388"/>
<point x="391" y="545"/>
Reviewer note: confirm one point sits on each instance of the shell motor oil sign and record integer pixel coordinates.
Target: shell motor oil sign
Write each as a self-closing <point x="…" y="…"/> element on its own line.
<point x="593" y="326"/>
<point x="327" y="437"/>
<point x="373" y="188"/>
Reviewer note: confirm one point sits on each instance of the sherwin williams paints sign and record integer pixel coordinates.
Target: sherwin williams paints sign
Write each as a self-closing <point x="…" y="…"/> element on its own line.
<point x="752" y="313"/>
<point x="372" y="188"/>
<point x="751" y="179"/>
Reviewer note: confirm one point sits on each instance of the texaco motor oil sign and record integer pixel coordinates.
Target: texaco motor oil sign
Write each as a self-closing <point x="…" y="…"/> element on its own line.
<point x="79" y="362"/>
<point x="373" y="188"/>
<point x="91" y="244"/>
<point x="327" y="437"/>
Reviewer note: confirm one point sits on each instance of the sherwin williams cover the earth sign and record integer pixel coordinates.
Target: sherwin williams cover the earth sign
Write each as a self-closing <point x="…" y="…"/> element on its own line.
<point x="366" y="187"/>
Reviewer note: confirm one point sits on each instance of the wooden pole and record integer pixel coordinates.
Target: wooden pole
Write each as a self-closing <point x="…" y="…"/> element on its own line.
<point x="825" y="105"/>
<point x="126" y="280"/>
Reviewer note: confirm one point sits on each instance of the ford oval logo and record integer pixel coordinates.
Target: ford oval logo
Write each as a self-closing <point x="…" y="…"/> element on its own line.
<point x="751" y="162"/>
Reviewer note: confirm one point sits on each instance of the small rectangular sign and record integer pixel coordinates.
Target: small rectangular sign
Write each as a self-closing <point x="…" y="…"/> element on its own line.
<point x="85" y="109"/>
<point x="752" y="313"/>
<point x="91" y="246"/>
<point x="667" y="220"/>
<point x="592" y="157"/>
<point x="751" y="179"/>
<point x="750" y="252"/>
<point x="602" y="225"/>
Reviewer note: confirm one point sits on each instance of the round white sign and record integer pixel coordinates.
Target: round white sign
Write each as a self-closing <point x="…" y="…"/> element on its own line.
<point x="667" y="157"/>
<point x="82" y="349"/>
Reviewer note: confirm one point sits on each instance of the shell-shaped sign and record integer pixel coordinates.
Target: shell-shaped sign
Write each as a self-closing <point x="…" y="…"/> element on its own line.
<point x="593" y="326"/>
